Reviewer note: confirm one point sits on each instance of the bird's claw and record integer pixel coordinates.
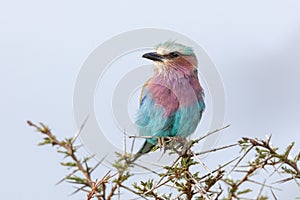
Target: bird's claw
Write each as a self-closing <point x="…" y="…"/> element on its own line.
<point x="177" y="144"/>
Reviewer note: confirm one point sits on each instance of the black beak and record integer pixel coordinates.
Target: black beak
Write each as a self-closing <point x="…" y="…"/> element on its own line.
<point x="153" y="56"/>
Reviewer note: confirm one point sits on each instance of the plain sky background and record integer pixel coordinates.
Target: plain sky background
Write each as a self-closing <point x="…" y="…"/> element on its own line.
<point x="255" y="45"/>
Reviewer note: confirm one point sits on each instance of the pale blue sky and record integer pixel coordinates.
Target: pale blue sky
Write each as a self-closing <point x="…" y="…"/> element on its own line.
<point x="255" y="45"/>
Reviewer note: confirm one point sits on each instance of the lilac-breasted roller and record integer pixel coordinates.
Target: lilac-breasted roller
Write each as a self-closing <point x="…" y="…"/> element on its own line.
<point x="171" y="102"/>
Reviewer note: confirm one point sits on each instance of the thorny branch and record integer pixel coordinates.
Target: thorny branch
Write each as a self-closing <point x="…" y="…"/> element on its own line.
<point x="183" y="177"/>
<point x="70" y="150"/>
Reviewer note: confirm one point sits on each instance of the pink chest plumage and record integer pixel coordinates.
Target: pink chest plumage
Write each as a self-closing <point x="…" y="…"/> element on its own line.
<point x="172" y="93"/>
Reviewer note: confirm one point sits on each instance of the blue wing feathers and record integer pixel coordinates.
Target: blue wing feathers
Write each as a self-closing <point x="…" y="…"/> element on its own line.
<point x="151" y="120"/>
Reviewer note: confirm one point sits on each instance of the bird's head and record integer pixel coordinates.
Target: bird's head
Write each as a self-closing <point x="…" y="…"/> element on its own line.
<point x="171" y="55"/>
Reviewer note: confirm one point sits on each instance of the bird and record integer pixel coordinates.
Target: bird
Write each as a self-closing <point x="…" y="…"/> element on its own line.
<point x="172" y="100"/>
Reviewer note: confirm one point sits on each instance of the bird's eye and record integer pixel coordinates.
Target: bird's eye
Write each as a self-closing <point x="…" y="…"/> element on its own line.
<point x="174" y="54"/>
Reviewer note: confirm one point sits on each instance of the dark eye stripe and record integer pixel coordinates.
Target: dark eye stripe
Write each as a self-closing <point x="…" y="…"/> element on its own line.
<point x="173" y="54"/>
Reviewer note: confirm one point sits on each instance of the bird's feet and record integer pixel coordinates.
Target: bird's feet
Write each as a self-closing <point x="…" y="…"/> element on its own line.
<point x="176" y="144"/>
